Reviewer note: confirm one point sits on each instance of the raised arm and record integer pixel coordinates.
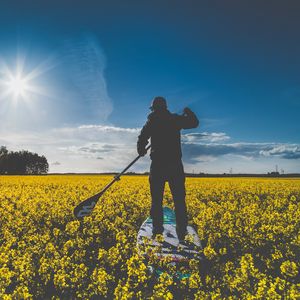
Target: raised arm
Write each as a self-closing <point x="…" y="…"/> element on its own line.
<point x="188" y="119"/>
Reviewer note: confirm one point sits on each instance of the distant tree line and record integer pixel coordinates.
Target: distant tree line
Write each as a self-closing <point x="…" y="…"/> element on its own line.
<point x="22" y="162"/>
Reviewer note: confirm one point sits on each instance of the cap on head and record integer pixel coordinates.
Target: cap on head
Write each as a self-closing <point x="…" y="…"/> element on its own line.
<point x="158" y="103"/>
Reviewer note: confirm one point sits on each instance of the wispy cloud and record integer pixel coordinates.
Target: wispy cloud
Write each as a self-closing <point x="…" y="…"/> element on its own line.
<point x="91" y="150"/>
<point x="108" y="129"/>
<point x="205" y="137"/>
<point x="196" y="152"/>
<point x="85" y="63"/>
<point x="287" y="151"/>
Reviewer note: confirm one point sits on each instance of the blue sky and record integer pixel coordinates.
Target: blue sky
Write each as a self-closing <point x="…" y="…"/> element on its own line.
<point x="98" y="64"/>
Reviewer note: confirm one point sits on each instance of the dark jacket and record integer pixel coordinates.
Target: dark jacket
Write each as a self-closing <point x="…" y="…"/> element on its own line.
<point x="164" y="128"/>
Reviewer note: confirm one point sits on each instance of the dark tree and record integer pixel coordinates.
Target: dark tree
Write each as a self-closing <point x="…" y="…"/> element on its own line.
<point x="22" y="162"/>
<point x="3" y="150"/>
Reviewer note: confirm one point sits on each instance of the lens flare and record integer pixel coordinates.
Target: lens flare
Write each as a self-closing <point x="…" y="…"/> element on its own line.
<point x="18" y="85"/>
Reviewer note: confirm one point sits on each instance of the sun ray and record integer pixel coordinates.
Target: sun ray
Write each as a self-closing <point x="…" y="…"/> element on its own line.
<point x="21" y="86"/>
<point x="42" y="68"/>
<point x="20" y="64"/>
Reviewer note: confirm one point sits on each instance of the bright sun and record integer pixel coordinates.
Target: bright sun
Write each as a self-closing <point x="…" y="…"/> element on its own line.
<point x="18" y="85"/>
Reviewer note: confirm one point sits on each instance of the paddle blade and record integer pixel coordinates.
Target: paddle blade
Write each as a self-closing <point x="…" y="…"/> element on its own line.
<point x="85" y="208"/>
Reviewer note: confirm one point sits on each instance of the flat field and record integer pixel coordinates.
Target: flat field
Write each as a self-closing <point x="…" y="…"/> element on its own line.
<point x="249" y="228"/>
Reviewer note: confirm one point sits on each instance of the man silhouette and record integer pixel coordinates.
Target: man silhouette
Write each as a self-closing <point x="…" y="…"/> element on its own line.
<point x="164" y="128"/>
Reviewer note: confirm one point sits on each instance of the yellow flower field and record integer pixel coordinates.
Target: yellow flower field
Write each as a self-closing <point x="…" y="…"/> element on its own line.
<point x="249" y="228"/>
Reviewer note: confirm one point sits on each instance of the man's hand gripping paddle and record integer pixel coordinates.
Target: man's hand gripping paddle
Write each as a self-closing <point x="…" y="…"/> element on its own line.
<point x="85" y="208"/>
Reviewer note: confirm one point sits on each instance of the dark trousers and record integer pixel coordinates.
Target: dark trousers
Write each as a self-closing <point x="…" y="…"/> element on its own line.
<point x="173" y="172"/>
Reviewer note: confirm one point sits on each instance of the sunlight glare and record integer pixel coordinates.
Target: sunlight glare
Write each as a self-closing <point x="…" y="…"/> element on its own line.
<point x="18" y="85"/>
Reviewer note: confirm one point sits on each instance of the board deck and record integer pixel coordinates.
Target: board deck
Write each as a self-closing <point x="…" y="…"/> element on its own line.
<point x="170" y="245"/>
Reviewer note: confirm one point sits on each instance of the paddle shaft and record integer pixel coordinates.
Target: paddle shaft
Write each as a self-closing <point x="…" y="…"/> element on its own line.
<point x="117" y="177"/>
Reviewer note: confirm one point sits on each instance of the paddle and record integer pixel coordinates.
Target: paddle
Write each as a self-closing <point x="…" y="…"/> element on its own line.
<point x="85" y="208"/>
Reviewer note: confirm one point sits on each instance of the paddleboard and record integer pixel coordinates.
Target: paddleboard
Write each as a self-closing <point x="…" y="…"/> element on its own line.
<point x="169" y="245"/>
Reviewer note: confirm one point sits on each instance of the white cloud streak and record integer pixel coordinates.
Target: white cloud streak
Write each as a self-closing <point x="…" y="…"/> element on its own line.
<point x="194" y="152"/>
<point x="85" y="61"/>
<point x="211" y="137"/>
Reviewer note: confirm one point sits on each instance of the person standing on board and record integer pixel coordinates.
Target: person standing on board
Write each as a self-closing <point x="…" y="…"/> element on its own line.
<point x="163" y="127"/>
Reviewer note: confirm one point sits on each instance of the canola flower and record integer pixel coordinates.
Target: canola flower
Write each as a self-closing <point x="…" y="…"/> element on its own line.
<point x="249" y="228"/>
